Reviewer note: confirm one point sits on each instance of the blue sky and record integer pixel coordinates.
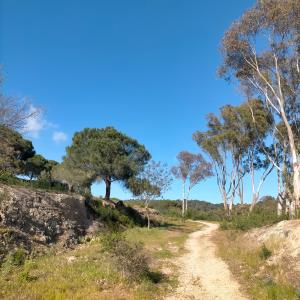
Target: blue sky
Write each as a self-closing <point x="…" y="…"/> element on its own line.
<point x="146" y="67"/>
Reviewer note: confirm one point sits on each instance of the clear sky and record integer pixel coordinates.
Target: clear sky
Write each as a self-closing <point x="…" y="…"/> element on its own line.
<point x="146" y="67"/>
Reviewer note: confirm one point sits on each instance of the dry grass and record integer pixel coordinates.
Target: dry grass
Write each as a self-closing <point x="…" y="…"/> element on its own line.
<point x="86" y="273"/>
<point x="261" y="279"/>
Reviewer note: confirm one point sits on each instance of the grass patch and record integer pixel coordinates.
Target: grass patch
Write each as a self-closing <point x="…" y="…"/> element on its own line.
<point x="92" y="271"/>
<point x="247" y="261"/>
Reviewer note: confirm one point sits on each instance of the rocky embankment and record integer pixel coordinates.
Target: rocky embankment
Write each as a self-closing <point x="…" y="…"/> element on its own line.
<point x="34" y="219"/>
<point x="283" y="239"/>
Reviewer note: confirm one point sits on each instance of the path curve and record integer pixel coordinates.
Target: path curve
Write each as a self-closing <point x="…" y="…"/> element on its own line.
<point x="203" y="275"/>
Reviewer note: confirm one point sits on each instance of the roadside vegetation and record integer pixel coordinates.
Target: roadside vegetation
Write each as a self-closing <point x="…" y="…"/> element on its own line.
<point x="133" y="264"/>
<point x="248" y="262"/>
<point x="241" y="145"/>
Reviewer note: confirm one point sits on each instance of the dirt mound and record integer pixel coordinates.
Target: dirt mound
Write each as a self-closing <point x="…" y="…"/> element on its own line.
<point x="287" y="232"/>
<point x="284" y="240"/>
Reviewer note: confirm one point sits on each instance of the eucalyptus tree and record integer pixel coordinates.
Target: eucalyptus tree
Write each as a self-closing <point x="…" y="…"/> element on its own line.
<point x="191" y="169"/>
<point x="254" y="124"/>
<point x="213" y="143"/>
<point x="262" y="51"/>
<point x="150" y="184"/>
<point x="107" y="154"/>
<point x="235" y="143"/>
<point x="284" y="169"/>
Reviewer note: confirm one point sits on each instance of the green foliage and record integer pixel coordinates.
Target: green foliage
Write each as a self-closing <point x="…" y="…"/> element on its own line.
<point x="14" y="150"/>
<point x="76" y="179"/>
<point x="107" y="154"/>
<point x="34" y="166"/>
<point x="117" y="217"/>
<point x="16" y="257"/>
<point x="264" y="252"/>
<point x="113" y="218"/>
<point x="197" y="210"/>
<point x="8" y="178"/>
<point x="128" y="257"/>
<point x="263" y="214"/>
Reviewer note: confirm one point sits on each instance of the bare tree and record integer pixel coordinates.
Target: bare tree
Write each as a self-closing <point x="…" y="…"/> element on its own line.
<point x="14" y="112"/>
<point x="191" y="169"/>
<point x="150" y="184"/>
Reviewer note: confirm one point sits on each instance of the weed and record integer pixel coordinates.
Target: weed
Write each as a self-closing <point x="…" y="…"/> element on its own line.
<point x="16" y="257"/>
<point x="128" y="257"/>
<point x="264" y="252"/>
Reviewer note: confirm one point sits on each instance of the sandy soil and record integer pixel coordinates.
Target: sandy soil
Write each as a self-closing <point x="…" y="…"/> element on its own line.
<point x="204" y="276"/>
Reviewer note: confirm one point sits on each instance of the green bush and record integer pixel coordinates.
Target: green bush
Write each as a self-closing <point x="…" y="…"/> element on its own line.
<point x="113" y="218"/>
<point x="242" y="219"/>
<point x="264" y="252"/>
<point x="16" y="257"/>
<point x="128" y="257"/>
<point x="10" y="179"/>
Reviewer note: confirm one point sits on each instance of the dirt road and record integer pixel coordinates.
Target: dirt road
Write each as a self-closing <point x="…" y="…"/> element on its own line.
<point x="204" y="276"/>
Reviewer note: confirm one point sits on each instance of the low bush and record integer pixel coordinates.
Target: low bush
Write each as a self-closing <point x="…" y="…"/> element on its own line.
<point x="113" y="218"/>
<point x="242" y="219"/>
<point x="10" y="179"/>
<point x="128" y="257"/>
<point x="16" y="257"/>
<point x="264" y="252"/>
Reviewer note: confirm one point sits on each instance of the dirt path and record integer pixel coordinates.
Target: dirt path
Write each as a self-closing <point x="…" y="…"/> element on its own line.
<point x="203" y="276"/>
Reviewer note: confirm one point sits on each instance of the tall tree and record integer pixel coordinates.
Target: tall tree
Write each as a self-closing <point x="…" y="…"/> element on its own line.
<point x="213" y="143"/>
<point x="191" y="169"/>
<point x="246" y="127"/>
<point x="150" y="184"/>
<point x="107" y="154"/>
<point x="235" y="144"/>
<point x="14" y="150"/>
<point x="262" y="51"/>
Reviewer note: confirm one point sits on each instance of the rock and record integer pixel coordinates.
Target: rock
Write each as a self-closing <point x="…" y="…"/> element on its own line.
<point x="38" y="217"/>
<point x="71" y="259"/>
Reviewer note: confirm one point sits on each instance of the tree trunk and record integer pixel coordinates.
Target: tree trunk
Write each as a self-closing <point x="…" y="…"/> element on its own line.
<point x="254" y="200"/>
<point x="280" y="198"/>
<point x="107" y="188"/>
<point x="186" y="205"/>
<point x="296" y="182"/>
<point x="295" y="204"/>
<point x="183" y="208"/>
<point x="280" y="205"/>
<point x="241" y="192"/>
<point x="224" y="196"/>
<point x="183" y="199"/>
<point x="148" y="218"/>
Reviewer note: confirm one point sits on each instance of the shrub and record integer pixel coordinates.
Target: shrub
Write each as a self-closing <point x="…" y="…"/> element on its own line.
<point x="264" y="252"/>
<point x="113" y="218"/>
<point x="129" y="258"/>
<point x="16" y="257"/>
<point x="243" y="220"/>
<point x="10" y="179"/>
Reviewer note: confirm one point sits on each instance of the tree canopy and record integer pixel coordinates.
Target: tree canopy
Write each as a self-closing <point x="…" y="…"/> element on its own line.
<point x="14" y="150"/>
<point x="107" y="154"/>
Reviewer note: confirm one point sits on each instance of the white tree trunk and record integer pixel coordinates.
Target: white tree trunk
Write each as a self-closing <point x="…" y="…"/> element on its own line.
<point x="296" y="182"/>
<point x="183" y="199"/>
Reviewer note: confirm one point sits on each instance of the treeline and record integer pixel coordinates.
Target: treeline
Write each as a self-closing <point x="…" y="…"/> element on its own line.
<point x="261" y="53"/>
